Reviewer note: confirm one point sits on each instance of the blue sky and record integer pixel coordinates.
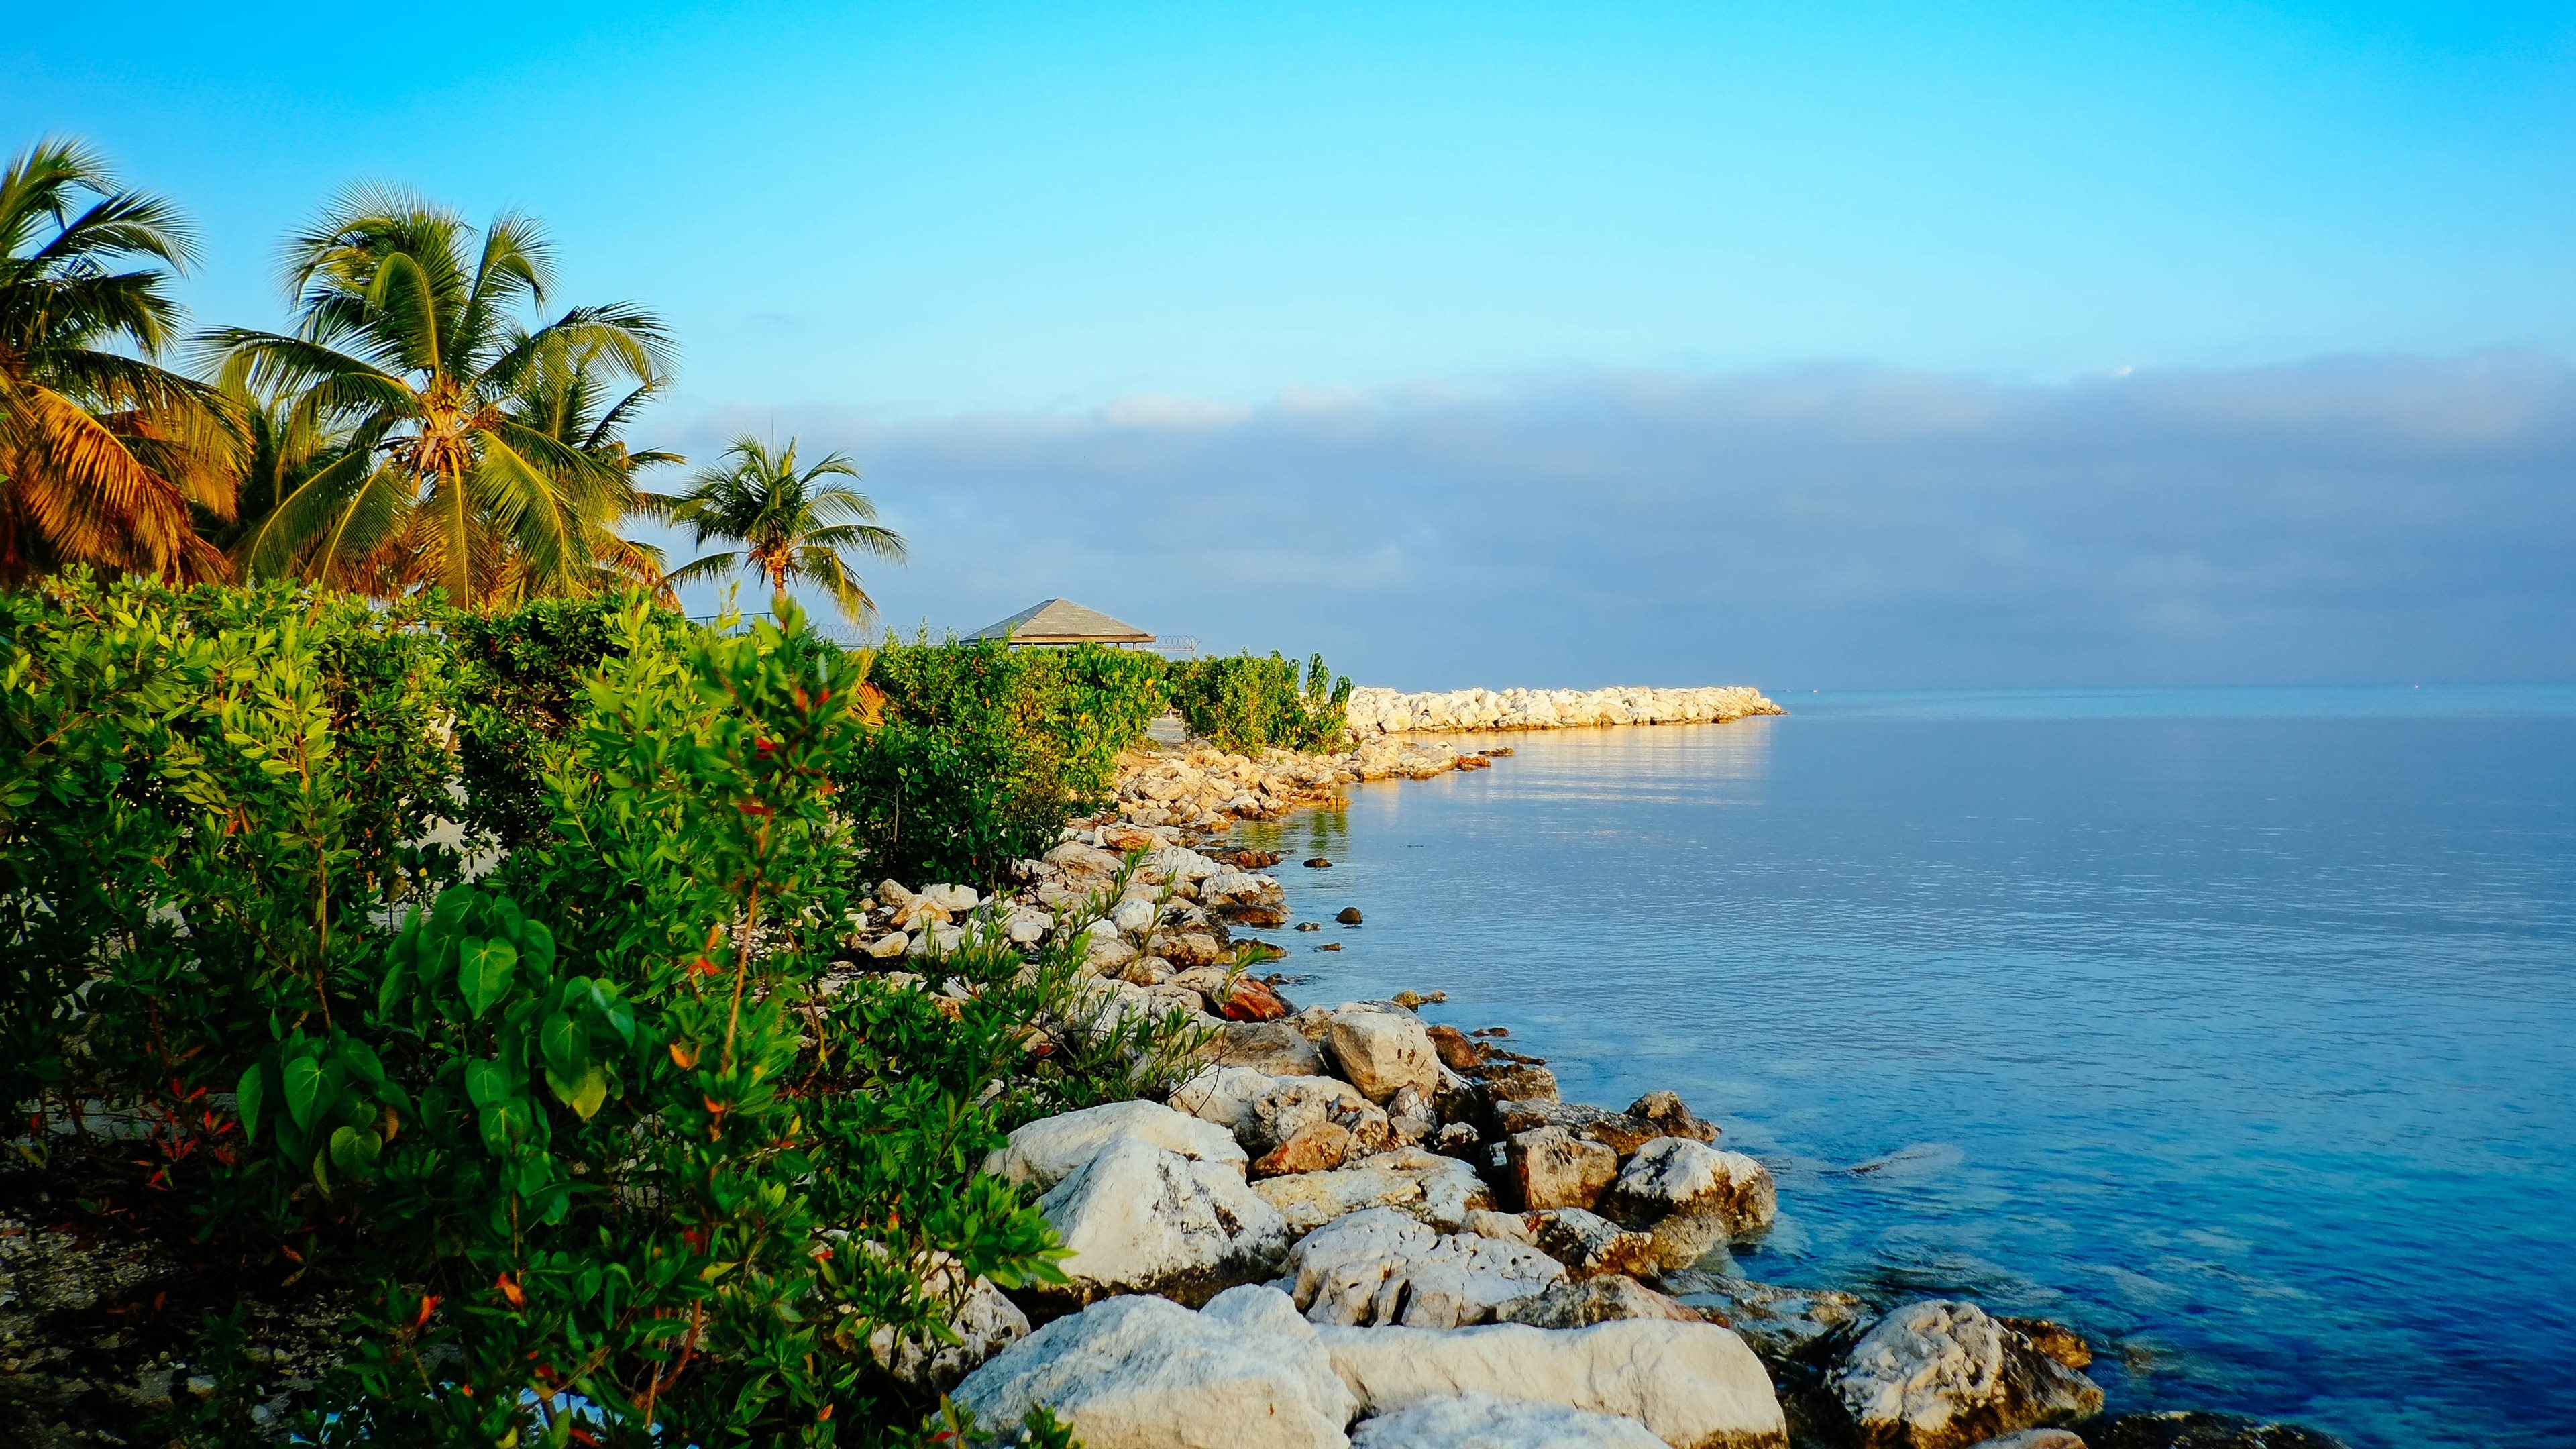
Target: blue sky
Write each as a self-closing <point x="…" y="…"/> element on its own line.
<point x="935" y="233"/>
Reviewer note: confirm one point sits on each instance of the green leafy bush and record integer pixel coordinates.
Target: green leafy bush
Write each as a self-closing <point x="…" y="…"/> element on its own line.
<point x="1242" y="703"/>
<point x="987" y="750"/>
<point x="603" y="1153"/>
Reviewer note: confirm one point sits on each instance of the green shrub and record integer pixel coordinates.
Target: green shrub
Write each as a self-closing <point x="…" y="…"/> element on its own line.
<point x="988" y="750"/>
<point x="594" y="1149"/>
<point x="519" y="679"/>
<point x="1245" y="704"/>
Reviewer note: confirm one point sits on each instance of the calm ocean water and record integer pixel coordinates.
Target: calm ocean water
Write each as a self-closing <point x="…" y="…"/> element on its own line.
<point x="2236" y="1027"/>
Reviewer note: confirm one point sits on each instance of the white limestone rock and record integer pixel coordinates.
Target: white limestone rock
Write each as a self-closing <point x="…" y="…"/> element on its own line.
<point x="1483" y="1421"/>
<point x="1223" y="1095"/>
<point x="888" y="947"/>
<point x="956" y="899"/>
<point x="1693" y="1385"/>
<point x="1941" y="1374"/>
<point x="1692" y="1198"/>
<point x="1143" y="1220"/>
<point x="1049" y="1150"/>
<point x="1438" y="1190"/>
<point x="1383" y="1052"/>
<point x="1379" y="1266"/>
<point x="1143" y="1373"/>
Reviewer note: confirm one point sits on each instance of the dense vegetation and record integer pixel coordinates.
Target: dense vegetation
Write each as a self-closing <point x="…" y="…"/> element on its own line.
<point x="408" y="912"/>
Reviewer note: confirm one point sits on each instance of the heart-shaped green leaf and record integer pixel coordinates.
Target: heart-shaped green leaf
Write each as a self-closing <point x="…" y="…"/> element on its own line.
<point x="302" y="1078"/>
<point x="483" y="972"/>
<point x="565" y="1043"/>
<point x="486" y="1082"/>
<point x="354" y="1151"/>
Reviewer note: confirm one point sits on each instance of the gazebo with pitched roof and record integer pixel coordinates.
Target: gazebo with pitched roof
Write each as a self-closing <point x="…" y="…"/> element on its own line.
<point x="1061" y="624"/>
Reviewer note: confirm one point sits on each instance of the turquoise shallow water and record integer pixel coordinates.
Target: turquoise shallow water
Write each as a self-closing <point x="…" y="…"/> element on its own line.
<point x="2236" y="1027"/>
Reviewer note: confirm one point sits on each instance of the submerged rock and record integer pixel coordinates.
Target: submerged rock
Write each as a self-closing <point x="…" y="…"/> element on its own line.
<point x="1142" y="1373"/>
<point x="1777" y="1323"/>
<point x="2203" y="1431"/>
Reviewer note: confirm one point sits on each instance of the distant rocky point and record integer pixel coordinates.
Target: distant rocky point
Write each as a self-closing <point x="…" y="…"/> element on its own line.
<point x="1380" y="711"/>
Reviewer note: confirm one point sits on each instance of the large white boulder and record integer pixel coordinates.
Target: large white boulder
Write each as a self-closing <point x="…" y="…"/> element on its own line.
<point x="1143" y="1373"/>
<point x="1692" y="1198"/>
<point x="1439" y="1190"/>
<point x="1383" y="1052"/>
<point x="1482" y="1421"/>
<point x="1941" y="1374"/>
<point x="1379" y="1266"/>
<point x="1693" y="1385"/>
<point x="1143" y="1220"/>
<point x="956" y="898"/>
<point x="1048" y="1150"/>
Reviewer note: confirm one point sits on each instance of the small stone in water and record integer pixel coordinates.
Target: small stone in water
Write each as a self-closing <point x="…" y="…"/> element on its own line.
<point x="1349" y="916"/>
<point x="1330" y="946"/>
<point x="1319" y="863"/>
<point x="1308" y="926"/>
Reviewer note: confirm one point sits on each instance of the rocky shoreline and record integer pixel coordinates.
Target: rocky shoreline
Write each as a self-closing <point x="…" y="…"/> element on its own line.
<point x="1377" y="711"/>
<point x="1350" y="1226"/>
<point x="1346" y="1225"/>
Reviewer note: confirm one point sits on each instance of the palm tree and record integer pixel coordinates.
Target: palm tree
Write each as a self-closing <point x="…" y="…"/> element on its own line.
<point x="409" y="344"/>
<point x="793" y="525"/>
<point x="105" y="458"/>
<point x="568" y="398"/>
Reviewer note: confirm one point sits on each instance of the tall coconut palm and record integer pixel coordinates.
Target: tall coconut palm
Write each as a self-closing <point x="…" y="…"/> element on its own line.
<point x="794" y="525"/>
<point x="410" y="339"/>
<point x="105" y="458"/>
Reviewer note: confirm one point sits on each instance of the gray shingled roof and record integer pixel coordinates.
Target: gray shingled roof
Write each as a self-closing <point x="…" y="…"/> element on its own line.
<point x="1062" y="621"/>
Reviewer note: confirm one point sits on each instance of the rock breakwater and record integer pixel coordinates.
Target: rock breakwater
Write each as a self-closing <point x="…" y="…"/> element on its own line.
<point x="1378" y="711"/>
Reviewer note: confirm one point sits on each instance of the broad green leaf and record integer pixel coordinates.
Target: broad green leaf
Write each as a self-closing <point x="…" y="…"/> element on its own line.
<point x="583" y="1093"/>
<point x="302" y="1078"/>
<point x="354" y="1151"/>
<point x="362" y="1062"/>
<point x="565" y="1043"/>
<point x="397" y="984"/>
<point x="486" y="1082"/>
<point x="505" y="918"/>
<point x="537" y="945"/>
<point x="593" y="1092"/>
<point x="247" y="1097"/>
<point x="484" y="971"/>
<point x="447" y="917"/>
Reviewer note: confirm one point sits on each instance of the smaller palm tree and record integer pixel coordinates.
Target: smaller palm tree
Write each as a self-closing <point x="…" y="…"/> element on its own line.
<point x="795" y="526"/>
